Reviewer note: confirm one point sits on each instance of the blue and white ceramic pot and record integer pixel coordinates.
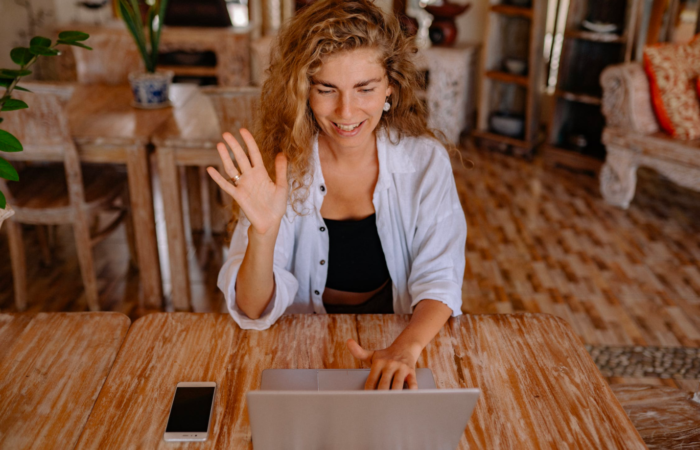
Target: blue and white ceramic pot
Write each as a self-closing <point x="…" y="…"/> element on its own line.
<point x="151" y="90"/>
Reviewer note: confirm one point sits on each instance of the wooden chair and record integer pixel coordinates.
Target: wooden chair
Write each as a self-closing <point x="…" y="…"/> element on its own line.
<point x="235" y="108"/>
<point x="192" y="145"/>
<point x="48" y="194"/>
<point x="665" y="417"/>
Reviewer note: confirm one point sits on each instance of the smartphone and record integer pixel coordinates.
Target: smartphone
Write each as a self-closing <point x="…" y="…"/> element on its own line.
<point x="190" y="412"/>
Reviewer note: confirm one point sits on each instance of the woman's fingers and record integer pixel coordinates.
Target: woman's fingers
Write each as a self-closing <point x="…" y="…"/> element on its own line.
<point x="387" y="375"/>
<point x="253" y="150"/>
<point x="399" y="377"/>
<point x="373" y="378"/>
<point x="412" y="380"/>
<point x="241" y="157"/>
<point x="281" y="170"/>
<point x="230" y="169"/>
<point x="221" y="181"/>
<point x="358" y="352"/>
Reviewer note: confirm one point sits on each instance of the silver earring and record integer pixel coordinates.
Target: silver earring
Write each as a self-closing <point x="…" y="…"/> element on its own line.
<point x="387" y="106"/>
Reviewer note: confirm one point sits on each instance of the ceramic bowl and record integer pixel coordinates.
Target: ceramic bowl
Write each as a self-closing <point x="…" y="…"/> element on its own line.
<point x="599" y="27"/>
<point x="507" y="124"/>
<point x="515" y="65"/>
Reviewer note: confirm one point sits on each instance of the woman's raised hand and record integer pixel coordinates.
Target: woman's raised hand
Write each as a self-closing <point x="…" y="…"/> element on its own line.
<point x="263" y="201"/>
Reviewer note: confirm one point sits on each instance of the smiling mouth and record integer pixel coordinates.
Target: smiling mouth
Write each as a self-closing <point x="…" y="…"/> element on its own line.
<point x="348" y="127"/>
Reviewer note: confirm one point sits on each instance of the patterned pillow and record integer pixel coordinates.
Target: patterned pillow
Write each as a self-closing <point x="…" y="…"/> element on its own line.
<point x="672" y="70"/>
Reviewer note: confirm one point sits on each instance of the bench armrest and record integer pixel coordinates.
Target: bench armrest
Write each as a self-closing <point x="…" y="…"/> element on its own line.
<point x="627" y="99"/>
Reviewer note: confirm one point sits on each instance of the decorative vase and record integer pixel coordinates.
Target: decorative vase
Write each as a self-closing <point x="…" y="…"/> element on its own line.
<point x="151" y="90"/>
<point x="5" y="214"/>
<point x="443" y="30"/>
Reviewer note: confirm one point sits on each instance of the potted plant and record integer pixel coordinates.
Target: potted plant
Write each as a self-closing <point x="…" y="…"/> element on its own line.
<point x="9" y="78"/>
<point x="150" y="88"/>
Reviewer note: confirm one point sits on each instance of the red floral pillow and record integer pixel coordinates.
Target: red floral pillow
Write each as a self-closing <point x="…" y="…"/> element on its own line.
<point x="672" y="70"/>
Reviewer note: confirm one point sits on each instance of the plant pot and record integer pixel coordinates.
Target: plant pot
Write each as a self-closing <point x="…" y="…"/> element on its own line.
<point x="5" y="214"/>
<point x="151" y="90"/>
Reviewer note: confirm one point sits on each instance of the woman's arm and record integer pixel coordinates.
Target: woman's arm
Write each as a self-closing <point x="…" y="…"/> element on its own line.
<point x="393" y="366"/>
<point x="255" y="283"/>
<point x="264" y="203"/>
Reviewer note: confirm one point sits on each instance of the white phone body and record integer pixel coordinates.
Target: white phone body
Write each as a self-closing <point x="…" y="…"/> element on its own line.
<point x="180" y="435"/>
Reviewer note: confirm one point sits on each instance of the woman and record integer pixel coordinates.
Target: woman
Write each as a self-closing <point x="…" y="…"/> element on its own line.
<point x="363" y="215"/>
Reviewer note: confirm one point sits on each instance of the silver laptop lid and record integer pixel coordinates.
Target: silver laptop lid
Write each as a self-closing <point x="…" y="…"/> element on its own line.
<point x="328" y="379"/>
<point x="350" y="420"/>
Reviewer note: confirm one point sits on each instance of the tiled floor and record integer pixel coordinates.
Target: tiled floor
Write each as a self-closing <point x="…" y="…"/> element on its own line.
<point x="540" y="240"/>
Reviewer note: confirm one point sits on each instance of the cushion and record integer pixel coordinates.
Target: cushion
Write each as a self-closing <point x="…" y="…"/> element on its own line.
<point x="672" y="70"/>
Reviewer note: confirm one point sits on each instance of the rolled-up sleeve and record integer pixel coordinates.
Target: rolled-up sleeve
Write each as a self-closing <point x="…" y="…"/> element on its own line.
<point x="286" y="284"/>
<point x="438" y="246"/>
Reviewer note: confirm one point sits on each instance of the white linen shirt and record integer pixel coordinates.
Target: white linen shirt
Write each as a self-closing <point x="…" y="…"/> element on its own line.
<point x="420" y="222"/>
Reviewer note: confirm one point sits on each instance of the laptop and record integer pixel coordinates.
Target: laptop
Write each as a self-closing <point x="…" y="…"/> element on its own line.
<point x="329" y="409"/>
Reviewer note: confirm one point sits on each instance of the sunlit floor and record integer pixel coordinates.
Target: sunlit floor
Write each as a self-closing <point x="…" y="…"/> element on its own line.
<point x="540" y="240"/>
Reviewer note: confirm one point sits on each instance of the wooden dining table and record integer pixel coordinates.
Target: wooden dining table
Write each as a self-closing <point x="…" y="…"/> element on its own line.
<point x="540" y="388"/>
<point x="108" y="129"/>
<point x="52" y="367"/>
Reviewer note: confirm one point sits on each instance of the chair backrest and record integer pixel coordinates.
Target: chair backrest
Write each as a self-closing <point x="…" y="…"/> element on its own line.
<point x="42" y="128"/>
<point x="236" y="107"/>
<point x="114" y="54"/>
<point x="44" y="132"/>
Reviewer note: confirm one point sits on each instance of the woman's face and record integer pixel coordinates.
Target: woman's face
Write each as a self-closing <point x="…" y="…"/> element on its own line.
<point x="347" y="97"/>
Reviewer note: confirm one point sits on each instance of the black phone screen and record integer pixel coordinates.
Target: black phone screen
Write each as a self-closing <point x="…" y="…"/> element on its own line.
<point x="191" y="409"/>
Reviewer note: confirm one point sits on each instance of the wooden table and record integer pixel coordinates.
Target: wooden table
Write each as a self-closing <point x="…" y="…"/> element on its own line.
<point x="540" y="388"/>
<point x="188" y="138"/>
<point x="52" y="366"/>
<point x="107" y="129"/>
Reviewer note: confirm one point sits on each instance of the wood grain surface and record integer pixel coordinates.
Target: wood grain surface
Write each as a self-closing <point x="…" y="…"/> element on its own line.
<point x="52" y="367"/>
<point x="540" y="387"/>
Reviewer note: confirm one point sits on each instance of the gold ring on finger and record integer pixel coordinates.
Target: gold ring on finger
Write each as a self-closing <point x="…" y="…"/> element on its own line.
<point x="235" y="180"/>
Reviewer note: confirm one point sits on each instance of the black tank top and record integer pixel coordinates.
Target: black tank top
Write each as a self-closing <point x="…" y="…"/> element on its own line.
<point x="356" y="260"/>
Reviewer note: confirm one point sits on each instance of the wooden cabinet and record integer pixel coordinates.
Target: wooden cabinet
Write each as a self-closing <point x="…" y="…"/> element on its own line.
<point x="597" y="34"/>
<point x="512" y="80"/>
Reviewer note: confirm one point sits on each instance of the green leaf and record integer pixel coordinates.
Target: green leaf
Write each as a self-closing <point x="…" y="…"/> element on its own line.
<point x="9" y="143"/>
<point x="7" y="73"/>
<point x="133" y="23"/>
<point x="75" y="44"/>
<point x="3" y="202"/>
<point x="7" y="171"/>
<point x="73" y="36"/>
<point x="39" y="41"/>
<point x="6" y="82"/>
<point x="12" y="104"/>
<point x="43" y="51"/>
<point x="21" y="56"/>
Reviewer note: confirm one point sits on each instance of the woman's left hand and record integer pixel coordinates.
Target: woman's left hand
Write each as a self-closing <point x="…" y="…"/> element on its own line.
<point x="391" y="367"/>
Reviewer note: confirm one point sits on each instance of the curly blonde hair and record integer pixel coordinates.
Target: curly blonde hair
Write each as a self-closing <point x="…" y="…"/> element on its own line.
<point x="285" y="122"/>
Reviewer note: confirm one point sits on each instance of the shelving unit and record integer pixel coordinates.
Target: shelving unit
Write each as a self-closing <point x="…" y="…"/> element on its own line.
<point x="576" y="125"/>
<point x="513" y="31"/>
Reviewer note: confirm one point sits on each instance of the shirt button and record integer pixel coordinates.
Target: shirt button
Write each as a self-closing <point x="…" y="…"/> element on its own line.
<point x="323" y="261"/>
<point x="323" y="188"/>
<point x="323" y="228"/>
<point x="316" y="292"/>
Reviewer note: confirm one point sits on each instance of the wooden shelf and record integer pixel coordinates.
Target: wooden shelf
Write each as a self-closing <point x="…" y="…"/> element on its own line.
<point x="192" y="71"/>
<point x="511" y="10"/>
<point x="505" y="77"/>
<point x="553" y="155"/>
<point x="502" y="138"/>
<point x="592" y="36"/>
<point x="578" y="97"/>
